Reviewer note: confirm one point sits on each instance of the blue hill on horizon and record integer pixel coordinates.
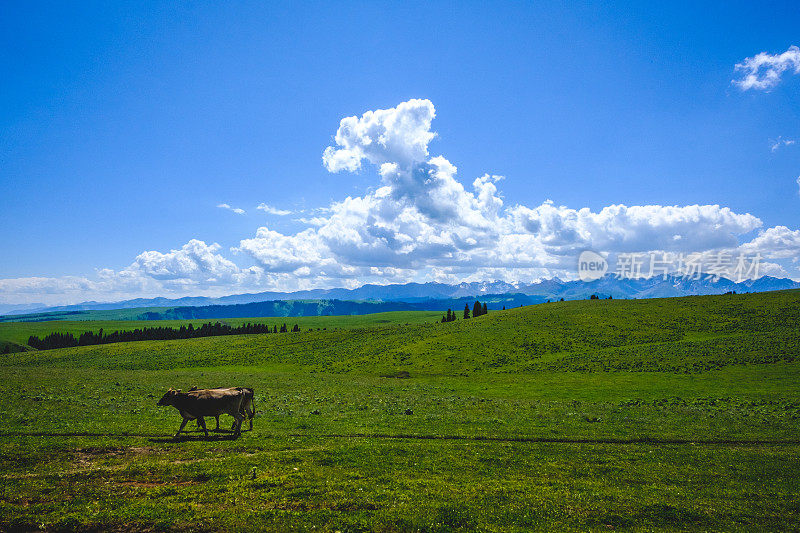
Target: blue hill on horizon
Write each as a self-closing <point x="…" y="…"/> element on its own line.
<point x="416" y="296"/>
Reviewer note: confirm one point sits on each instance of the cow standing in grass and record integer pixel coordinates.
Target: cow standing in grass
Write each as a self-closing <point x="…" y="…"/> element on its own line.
<point x="201" y="403"/>
<point x="248" y="409"/>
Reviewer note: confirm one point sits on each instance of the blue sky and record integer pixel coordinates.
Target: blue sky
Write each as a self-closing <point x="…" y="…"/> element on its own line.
<point x="124" y="126"/>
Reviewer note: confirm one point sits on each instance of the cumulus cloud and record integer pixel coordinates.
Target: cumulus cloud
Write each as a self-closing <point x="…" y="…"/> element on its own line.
<point x="637" y="228"/>
<point x="272" y="210"/>
<point x="778" y="242"/>
<point x="194" y="268"/>
<point x="195" y="260"/>
<point x="424" y="222"/>
<point x="236" y="210"/>
<point x="282" y="253"/>
<point x="420" y="223"/>
<point x="764" y="71"/>
<point x="399" y="135"/>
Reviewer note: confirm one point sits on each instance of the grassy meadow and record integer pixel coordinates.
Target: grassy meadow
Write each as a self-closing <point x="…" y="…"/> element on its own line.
<point x="640" y="415"/>
<point x="18" y="332"/>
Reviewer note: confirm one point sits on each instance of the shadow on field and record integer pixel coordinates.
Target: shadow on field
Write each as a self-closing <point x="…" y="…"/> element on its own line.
<point x="653" y="441"/>
<point x="214" y="436"/>
<point x="223" y="435"/>
<point x="75" y="434"/>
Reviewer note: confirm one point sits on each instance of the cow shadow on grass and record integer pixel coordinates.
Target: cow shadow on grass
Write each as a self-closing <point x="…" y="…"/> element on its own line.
<point x="193" y="436"/>
<point x="214" y="435"/>
<point x="152" y="437"/>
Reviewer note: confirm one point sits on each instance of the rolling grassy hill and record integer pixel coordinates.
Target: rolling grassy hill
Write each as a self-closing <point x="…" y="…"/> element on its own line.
<point x="689" y="334"/>
<point x="673" y="414"/>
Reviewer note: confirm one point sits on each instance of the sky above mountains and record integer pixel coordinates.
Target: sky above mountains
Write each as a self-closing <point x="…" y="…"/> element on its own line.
<point x="171" y="150"/>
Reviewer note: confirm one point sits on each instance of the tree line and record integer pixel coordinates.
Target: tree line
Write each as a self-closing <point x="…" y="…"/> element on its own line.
<point x="478" y="309"/>
<point x="88" y="338"/>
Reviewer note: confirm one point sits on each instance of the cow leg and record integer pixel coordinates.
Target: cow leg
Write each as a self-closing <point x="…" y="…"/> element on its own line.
<point x="203" y="424"/>
<point x="233" y="426"/>
<point x="188" y="416"/>
<point x="183" y="425"/>
<point x="248" y="412"/>
<point x="238" y="424"/>
<point x="217" y="417"/>
<point x="251" y="413"/>
<point x="242" y="411"/>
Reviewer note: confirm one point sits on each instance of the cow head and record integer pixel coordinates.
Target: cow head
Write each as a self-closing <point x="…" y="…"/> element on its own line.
<point x="169" y="397"/>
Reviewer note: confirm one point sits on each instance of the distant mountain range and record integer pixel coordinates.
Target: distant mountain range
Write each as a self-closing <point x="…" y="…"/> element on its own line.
<point x="435" y="296"/>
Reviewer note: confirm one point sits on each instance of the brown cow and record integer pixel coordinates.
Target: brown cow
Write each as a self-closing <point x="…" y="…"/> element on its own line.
<point x="201" y="403"/>
<point x="248" y="408"/>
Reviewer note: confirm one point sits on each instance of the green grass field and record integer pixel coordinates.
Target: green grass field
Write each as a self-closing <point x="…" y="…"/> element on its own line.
<point x="641" y="415"/>
<point x="18" y="332"/>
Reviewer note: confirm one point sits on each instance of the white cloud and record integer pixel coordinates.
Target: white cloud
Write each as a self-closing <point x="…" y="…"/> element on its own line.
<point x="778" y="242"/>
<point x="763" y="71"/>
<point x="621" y="228"/>
<point x="236" y="210"/>
<point x="195" y="268"/>
<point x="313" y="221"/>
<point x="420" y="223"/>
<point x="195" y="260"/>
<point x="282" y="253"/>
<point x="272" y="210"/>
<point x="780" y="142"/>
<point x="398" y="135"/>
<point x="424" y="222"/>
<point x="196" y="265"/>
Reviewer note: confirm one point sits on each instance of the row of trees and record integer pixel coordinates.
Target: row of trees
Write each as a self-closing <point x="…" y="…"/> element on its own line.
<point x="477" y="310"/>
<point x="88" y="338"/>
